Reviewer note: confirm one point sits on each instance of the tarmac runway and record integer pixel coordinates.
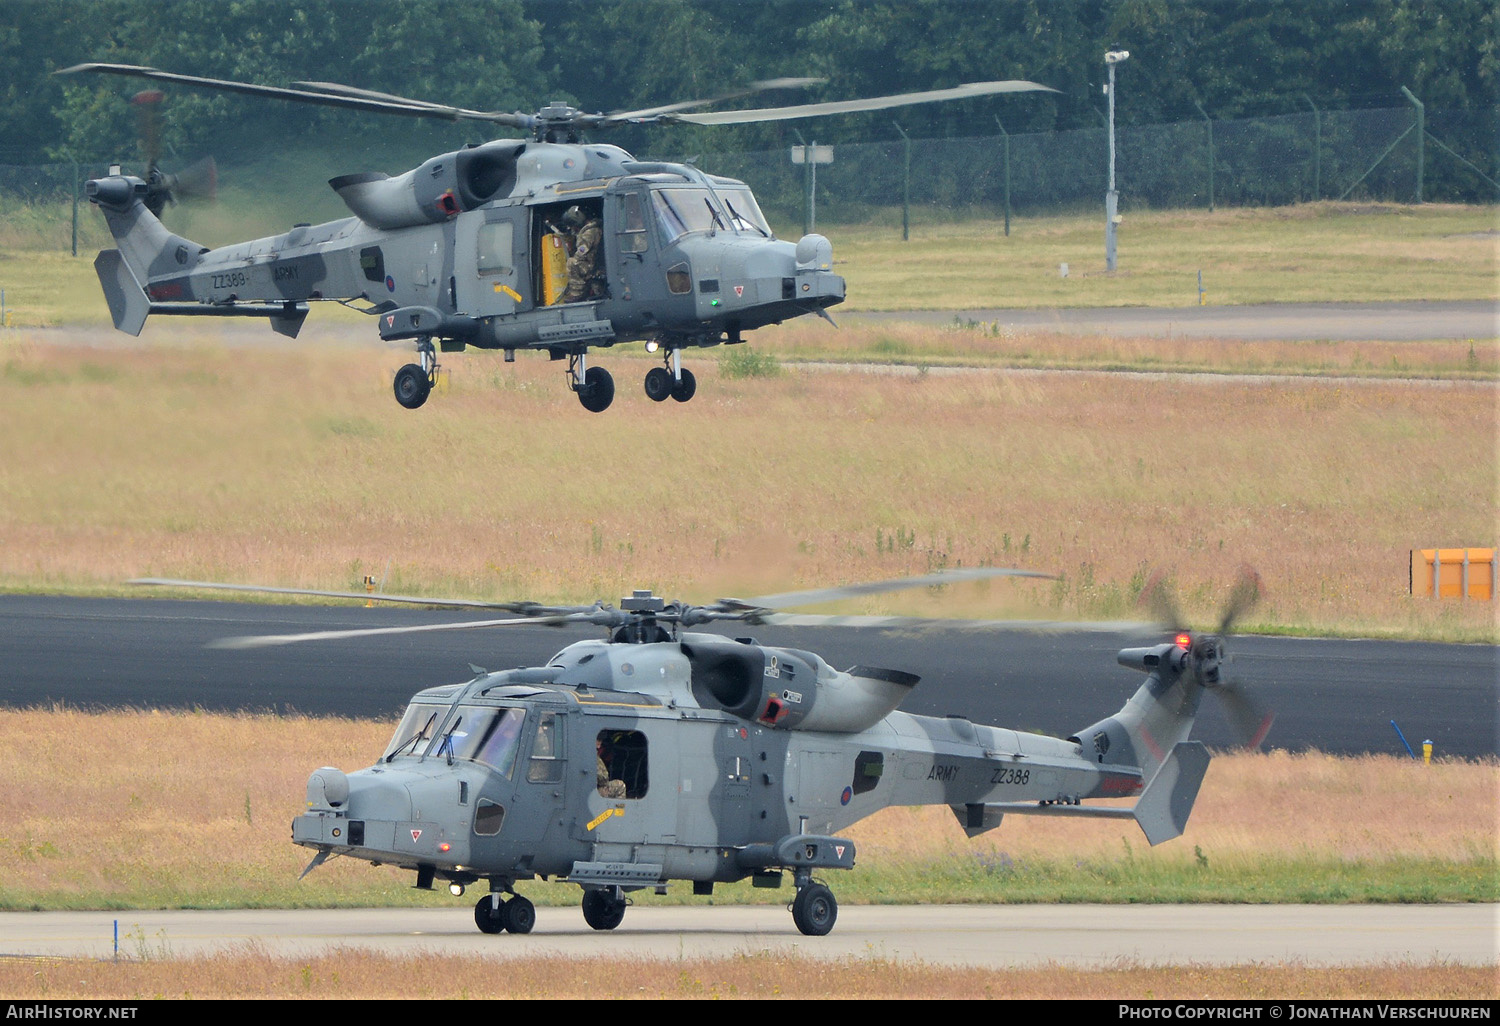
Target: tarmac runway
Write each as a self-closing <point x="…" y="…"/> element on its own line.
<point x="1368" y="322"/>
<point x="990" y="936"/>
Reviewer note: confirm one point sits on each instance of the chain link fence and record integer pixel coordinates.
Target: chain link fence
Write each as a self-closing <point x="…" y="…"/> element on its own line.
<point x="1289" y="158"/>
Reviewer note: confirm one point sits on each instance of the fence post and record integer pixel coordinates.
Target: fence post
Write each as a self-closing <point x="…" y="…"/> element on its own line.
<point x="905" y="185"/>
<point x="75" y="208"/>
<point x="1317" y="147"/>
<point x="1210" y="154"/>
<point x="1421" y="135"/>
<point x="1006" y="135"/>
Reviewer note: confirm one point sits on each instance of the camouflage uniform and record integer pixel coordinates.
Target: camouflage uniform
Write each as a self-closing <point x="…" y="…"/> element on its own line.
<point x="583" y="263"/>
<point x="607" y="787"/>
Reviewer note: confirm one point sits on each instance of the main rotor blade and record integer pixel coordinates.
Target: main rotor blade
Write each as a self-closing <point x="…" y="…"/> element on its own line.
<point x="812" y="110"/>
<point x="530" y="608"/>
<point x="391" y="105"/>
<point x="654" y="113"/>
<point x="336" y="89"/>
<point x="807" y="598"/>
<point x="268" y="640"/>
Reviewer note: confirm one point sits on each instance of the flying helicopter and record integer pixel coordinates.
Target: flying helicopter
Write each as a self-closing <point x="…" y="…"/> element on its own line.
<point x="468" y="248"/>
<point x="661" y="754"/>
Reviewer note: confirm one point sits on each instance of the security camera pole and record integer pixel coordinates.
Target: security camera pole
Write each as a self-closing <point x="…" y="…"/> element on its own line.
<point x="1111" y="198"/>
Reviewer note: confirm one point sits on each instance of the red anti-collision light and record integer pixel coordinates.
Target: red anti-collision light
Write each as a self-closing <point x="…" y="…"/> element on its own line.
<point x="1184" y="641"/>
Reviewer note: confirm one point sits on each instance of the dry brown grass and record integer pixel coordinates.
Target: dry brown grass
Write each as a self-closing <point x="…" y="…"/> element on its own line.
<point x="127" y="808"/>
<point x="218" y="459"/>
<point x="362" y="975"/>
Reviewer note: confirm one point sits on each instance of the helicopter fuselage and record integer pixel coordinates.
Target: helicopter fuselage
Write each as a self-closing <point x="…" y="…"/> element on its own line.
<point x="702" y="759"/>
<point x="470" y="249"/>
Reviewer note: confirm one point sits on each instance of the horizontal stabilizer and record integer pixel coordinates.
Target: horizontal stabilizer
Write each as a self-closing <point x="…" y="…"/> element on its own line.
<point x="1162" y="809"/>
<point x="286" y="318"/>
<point x="128" y="305"/>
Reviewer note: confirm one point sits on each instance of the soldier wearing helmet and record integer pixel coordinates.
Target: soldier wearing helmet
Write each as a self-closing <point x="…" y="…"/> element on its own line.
<point x="584" y="273"/>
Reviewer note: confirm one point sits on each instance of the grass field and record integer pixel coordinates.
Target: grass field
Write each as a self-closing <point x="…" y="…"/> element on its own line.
<point x="753" y="976"/>
<point x="231" y="457"/>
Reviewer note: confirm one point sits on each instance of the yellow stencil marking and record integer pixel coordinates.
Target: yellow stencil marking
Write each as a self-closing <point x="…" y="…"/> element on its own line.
<point x="512" y="293"/>
<point x="617" y="810"/>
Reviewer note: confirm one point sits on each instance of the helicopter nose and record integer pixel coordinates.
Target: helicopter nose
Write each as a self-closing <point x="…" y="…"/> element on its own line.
<point x="814" y="253"/>
<point x="327" y="789"/>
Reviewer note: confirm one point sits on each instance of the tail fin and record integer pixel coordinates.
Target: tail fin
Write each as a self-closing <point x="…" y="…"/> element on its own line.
<point x="1156" y="718"/>
<point x="128" y="305"/>
<point x="146" y="248"/>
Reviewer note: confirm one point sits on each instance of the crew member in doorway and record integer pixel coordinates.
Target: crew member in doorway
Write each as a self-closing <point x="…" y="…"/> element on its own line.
<point x="583" y="260"/>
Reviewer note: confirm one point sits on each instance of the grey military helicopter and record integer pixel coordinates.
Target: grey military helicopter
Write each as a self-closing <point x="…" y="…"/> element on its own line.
<point x="659" y="754"/>
<point x="465" y="250"/>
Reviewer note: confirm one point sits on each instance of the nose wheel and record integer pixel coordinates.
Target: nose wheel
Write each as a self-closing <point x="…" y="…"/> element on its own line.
<point x="415" y="380"/>
<point x="492" y="915"/>
<point x="673" y="380"/>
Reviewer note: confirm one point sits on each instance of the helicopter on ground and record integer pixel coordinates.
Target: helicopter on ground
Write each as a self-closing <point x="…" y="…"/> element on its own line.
<point x="467" y="250"/>
<point x="662" y="754"/>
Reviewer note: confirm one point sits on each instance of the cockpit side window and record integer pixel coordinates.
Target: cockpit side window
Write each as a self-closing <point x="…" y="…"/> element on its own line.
<point x="547" y="750"/>
<point x="632" y="230"/>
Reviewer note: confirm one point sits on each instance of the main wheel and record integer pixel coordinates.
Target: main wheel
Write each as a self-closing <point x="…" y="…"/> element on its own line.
<point x="601" y="910"/>
<point x="412" y="386"/>
<point x="487" y="918"/>
<point x="598" y="390"/>
<point x="815" y="910"/>
<point x="658" y="384"/>
<point x="519" y="915"/>
<point x="683" y="390"/>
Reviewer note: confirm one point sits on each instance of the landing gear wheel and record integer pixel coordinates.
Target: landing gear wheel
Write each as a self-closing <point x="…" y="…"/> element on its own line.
<point x="413" y="386"/>
<point x="519" y="915"/>
<point x="814" y="910"/>
<point x="602" y="910"/>
<point x="659" y="384"/>
<point x="488" y="918"/>
<point x="683" y="390"/>
<point x="598" y="390"/>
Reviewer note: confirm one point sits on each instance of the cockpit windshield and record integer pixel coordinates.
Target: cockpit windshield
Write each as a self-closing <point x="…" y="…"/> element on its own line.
<point x="744" y="212"/>
<point x="684" y="209"/>
<point x="415" y="730"/>
<point x="484" y="734"/>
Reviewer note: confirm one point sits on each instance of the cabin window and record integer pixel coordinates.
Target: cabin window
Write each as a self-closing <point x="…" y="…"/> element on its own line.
<point x="488" y="817"/>
<point x="868" y="767"/>
<point x="372" y="262"/>
<point x="632" y="224"/>
<point x="495" y="249"/>
<point x="546" y="752"/>
<point x="679" y="280"/>
<point x="621" y="763"/>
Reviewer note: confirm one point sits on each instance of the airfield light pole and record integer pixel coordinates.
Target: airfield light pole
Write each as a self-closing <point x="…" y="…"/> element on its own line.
<point x="1111" y="198"/>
